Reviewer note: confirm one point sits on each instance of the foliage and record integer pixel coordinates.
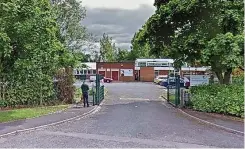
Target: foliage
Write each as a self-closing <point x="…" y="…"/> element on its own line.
<point x="238" y="79"/>
<point x="110" y="53"/>
<point x="107" y="49"/>
<point x="70" y="13"/>
<point x="123" y="55"/>
<point x="29" y="53"/>
<point x="192" y="30"/>
<point x="225" y="99"/>
<point x="72" y="34"/>
<point x="65" y="88"/>
<point x="223" y="54"/>
<point x="140" y="49"/>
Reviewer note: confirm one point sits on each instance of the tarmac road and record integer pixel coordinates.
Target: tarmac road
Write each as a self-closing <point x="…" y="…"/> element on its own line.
<point x="132" y="116"/>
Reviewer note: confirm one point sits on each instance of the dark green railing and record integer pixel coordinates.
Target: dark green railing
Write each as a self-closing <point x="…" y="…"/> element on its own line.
<point x="173" y="91"/>
<point x="99" y="94"/>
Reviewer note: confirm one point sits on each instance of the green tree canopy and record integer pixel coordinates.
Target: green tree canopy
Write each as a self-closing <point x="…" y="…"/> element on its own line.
<point x="29" y="51"/>
<point x="187" y="30"/>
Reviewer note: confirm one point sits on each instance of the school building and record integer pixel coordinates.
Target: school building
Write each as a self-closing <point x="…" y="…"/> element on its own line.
<point x="118" y="71"/>
<point x="144" y="70"/>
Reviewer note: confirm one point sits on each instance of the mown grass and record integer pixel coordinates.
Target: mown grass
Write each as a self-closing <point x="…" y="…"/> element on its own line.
<point x="20" y="114"/>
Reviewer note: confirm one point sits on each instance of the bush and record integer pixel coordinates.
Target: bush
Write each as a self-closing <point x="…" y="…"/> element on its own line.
<point x="225" y="99"/>
<point x="238" y="80"/>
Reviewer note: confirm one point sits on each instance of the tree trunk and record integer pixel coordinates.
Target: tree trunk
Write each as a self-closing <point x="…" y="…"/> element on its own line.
<point x="227" y="76"/>
<point x="219" y="76"/>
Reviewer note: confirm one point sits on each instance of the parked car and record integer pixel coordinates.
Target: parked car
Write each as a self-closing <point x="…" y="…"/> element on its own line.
<point x="107" y="80"/>
<point x="160" y="78"/>
<point x="170" y="82"/>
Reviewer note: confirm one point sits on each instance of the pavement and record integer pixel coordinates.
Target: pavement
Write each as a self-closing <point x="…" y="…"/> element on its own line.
<point x="59" y="116"/>
<point x="229" y="123"/>
<point x="132" y="116"/>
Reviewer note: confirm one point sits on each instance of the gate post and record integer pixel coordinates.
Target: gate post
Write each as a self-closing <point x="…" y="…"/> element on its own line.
<point x="97" y="95"/>
<point x="177" y="90"/>
<point x="168" y="90"/>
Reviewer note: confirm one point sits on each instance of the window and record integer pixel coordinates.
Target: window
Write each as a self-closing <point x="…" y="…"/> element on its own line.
<point x="89" y="72"/>
<point x="156" y="73"/>
<point x="157" y="64"/>
<point x="77" y="72"/>
<point x="81" y="71"/>
<point x="141" y="64"/>
<point x="85" y="71"/>
<point x="94" y="71"/>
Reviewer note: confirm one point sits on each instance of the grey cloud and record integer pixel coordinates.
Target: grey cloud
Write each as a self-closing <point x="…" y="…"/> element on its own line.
<point x="120" y="24"/>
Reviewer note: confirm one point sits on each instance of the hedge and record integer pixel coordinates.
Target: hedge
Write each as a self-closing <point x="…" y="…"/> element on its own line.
<point x="225" y="99"/>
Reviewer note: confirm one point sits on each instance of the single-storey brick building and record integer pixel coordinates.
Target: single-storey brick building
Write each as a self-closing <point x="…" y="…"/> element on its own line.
<point x="118" y="71"/>
<point x="144" y="70"/>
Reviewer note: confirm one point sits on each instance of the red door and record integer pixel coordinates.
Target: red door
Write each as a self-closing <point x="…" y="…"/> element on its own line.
<point x="115" y="75"/>
<point x="102" y="73"/>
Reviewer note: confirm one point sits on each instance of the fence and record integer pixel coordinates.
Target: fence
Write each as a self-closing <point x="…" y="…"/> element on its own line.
<point x="173" y="90"/>
<point x="97" y="93"/>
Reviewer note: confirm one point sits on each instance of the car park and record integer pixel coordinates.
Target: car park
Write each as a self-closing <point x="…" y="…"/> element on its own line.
<point x="107" y="80"/>
<point x="160" y="78"/>
<point x="170" y="82"/>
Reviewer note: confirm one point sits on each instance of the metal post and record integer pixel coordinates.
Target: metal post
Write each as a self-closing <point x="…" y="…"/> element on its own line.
<point x="178" y="98"/>
<point x="97" y="89"/>
<point x="177" y="90"/>
<point x="168" y="90"/>
<point x="93" y="94"/>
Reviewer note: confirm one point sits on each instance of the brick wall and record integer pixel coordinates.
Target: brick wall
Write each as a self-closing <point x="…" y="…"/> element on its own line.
<point x="163" y="72"/>
<point x="117" y="66"/>
<point x="147" y="74"/>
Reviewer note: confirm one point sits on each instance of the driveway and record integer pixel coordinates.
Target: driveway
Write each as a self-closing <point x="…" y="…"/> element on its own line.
<point x="132" y="116"/>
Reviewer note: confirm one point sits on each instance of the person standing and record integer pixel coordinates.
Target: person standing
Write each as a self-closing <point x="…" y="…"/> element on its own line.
<point x="85" y="90"/>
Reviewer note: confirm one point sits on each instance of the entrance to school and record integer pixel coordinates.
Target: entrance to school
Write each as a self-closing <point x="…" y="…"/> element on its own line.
<point x="97" y="90"/>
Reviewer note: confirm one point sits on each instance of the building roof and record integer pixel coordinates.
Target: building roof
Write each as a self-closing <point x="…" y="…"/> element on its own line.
<point x="155" y="60"/>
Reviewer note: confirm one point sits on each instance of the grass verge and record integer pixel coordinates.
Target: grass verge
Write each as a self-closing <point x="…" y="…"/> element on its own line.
<point x="20" y="114"/>
<point x="172" y="98"/>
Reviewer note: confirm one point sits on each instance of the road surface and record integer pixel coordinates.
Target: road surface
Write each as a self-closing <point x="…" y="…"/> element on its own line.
<point x="132" y="116"/>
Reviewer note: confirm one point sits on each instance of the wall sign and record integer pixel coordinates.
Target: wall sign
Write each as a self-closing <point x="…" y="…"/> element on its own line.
<point x="127" y="72"/>
<point x="196" y="80"/>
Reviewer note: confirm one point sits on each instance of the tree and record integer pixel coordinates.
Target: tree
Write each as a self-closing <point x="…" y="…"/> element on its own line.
<point x="140" y="47"/>
<point x="223" y="54"/>
<point x="107" y="49"/>
<point x="74" y="36"/>
<point x="29" y="51"/>
<point x="187" y="30"/>
<point x="122" y="55"/>
<point x="70" y="13"/>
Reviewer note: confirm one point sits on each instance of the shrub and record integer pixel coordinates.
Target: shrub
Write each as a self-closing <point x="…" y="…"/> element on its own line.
<point x="225" y="99"/>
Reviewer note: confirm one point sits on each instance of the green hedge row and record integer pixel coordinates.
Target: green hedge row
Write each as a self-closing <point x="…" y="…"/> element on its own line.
<point x="225" y="99"/>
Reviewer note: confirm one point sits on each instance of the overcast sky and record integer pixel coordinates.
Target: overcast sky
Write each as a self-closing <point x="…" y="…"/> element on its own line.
<point x="118" y="18"/>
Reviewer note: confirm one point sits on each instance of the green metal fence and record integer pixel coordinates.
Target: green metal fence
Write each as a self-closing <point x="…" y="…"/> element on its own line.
<point x="99" y="94"/>
<point x="97" y="91"/>
<point x="173" y="90"/>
